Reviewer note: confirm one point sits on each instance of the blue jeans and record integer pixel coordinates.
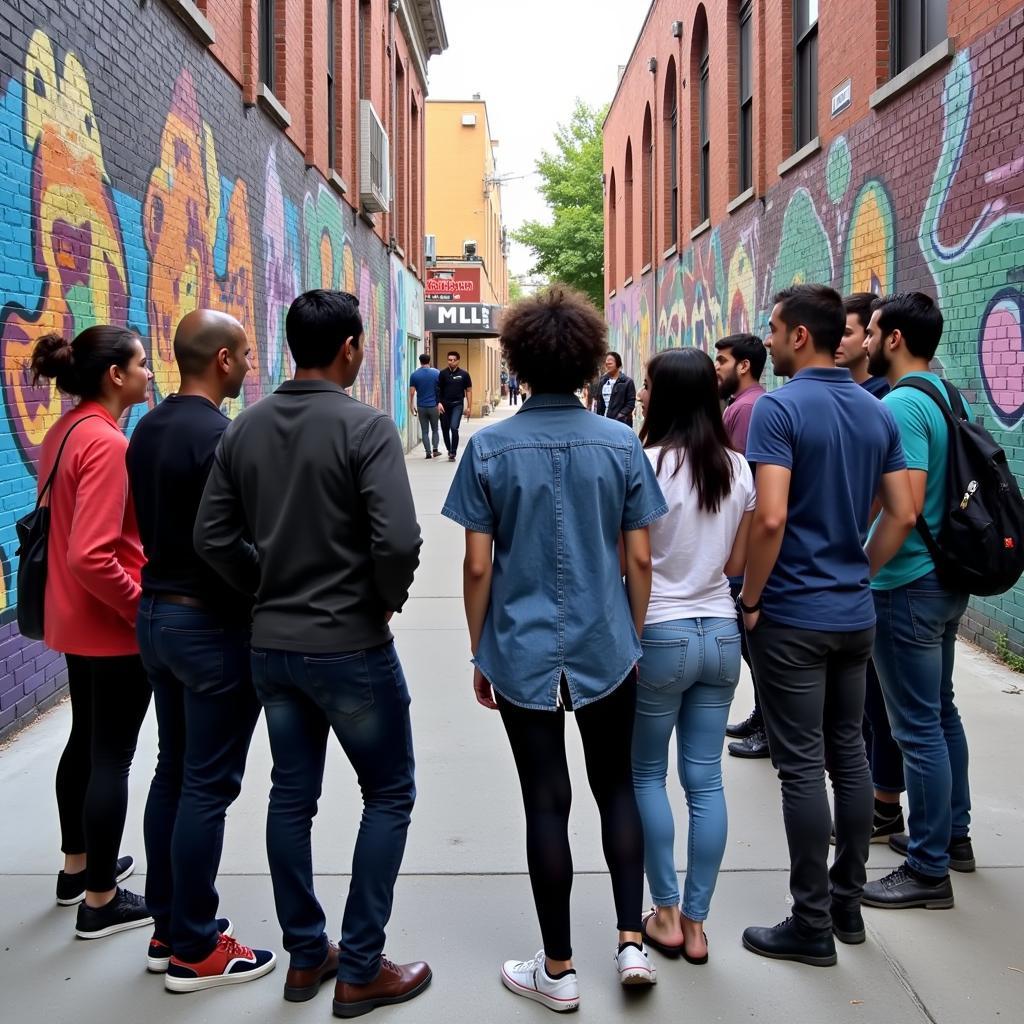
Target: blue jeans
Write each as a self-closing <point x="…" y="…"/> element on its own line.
<point x="206" y="709"/>
<point x="451" y="418"/>
<point x="914" y="648"/>
<point x="688" y="675"/>
<point x="363" y="698"/>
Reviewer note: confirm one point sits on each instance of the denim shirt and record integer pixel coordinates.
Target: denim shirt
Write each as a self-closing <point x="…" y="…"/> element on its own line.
<point x="555" y="486"/>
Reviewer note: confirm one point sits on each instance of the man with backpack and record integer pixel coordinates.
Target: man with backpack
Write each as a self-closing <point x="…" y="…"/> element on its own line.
<point x="918" y="614"/>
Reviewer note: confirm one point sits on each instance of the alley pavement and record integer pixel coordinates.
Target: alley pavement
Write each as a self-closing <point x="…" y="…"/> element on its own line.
<point x="463" y="900"/>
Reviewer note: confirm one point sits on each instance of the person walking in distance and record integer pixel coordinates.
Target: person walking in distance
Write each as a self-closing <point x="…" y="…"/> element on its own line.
<point x="544" y="497"/>
<point x="91" y="599"/>
<point x="308" y="507"/>
<point x="884" y="756"/>
<point x="739" y="363"/>
<point x="691" y="640"/>
<point x="614" y="394"/>
<point x="423" y="403"/>
<point x="455" y="400"/>
<point x="823" y="450"/>
<point x="513" y="389"/>
<point x="193" y="632"/>
<point x="918" y="619"/>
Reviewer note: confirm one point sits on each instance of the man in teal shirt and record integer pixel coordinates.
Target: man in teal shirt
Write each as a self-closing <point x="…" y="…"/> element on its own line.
<point x="917" y="624"/>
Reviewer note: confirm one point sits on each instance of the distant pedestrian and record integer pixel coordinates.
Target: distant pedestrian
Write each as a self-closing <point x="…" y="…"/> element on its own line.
<point x="691" y="639"/>
<point x="423" y="403"/>
<point x="308" y="506"/>
<point x="823" y="451"/>
<point x="193" y="632"/>
<point x="544" y="497"/>
<point x="92" y="596"/>
<point x="455" y="400"/>
<point x="739" y="363"/>
<point x="513" y="389"/>
<point x="615" y="394"/>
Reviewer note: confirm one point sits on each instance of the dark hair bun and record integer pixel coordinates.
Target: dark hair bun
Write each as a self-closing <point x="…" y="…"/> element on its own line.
<point x="54" y="358"/>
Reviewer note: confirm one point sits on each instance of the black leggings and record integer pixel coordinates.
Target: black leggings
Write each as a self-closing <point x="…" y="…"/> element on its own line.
<point x="109" y="698"/>
<point x="538" y="745"/>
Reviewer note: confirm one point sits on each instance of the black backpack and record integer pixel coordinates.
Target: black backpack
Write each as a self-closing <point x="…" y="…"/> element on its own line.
<point x="980" y="546"/>
<point x="34" y="535"/>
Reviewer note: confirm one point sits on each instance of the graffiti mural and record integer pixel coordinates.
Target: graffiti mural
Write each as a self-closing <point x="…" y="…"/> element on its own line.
<point x="950" y="222"/>
<point x="197" y="208"/>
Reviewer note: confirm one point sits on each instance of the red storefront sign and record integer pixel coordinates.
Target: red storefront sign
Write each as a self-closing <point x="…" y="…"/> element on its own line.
<point x="453" y="285"/>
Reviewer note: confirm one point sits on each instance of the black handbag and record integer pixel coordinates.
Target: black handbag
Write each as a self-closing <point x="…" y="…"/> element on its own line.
<point x="34" y="535"/>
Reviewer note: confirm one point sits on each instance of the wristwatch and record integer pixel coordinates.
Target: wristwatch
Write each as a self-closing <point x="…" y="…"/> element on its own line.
<point x="749" y="609"/>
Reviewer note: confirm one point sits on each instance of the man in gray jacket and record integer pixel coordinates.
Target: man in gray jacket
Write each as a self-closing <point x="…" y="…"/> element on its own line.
<point x="308" y="507"/>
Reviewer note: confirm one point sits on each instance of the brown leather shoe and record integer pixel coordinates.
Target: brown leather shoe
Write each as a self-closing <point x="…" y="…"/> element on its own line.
<point x="396" y="983"/>
<point x="301" y="985"/>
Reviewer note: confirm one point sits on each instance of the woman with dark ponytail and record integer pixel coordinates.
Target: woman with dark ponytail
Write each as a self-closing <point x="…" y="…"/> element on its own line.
<point x="92" y="592"/>
<point x="691" y="642"/>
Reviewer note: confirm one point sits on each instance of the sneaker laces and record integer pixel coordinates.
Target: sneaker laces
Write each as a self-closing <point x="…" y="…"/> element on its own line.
<point x="897" y="877"/>
<point x="230" y="947"/>
<point x="532" y="964"/>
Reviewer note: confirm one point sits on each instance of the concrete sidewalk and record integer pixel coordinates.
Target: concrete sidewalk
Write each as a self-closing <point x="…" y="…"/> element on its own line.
<point x="463" y="901"/>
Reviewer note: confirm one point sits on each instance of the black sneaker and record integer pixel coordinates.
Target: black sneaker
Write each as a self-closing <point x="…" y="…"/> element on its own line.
<point x="436" y="452"/>
<point x="961" y="852"/>
<point x="71" y="887"/>
<point x="788" y="941"/>
<point x="741" y="730"/>
<point x="848" y="925"/>
<point x="429" y="456"/>
<point x="754" y="746"/>
<point x="883" y="828"/>
<point x="126" y="910"/>
<point x="158" y="957"/>
<point x="905" y="888"/>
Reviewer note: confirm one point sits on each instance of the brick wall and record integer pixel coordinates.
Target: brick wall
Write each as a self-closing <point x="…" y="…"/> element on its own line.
<point x="135" y="184"/>
<point x="924" y="192"/>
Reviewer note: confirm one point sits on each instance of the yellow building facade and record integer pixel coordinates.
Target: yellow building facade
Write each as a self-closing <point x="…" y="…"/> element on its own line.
<point x="466" y="264"/>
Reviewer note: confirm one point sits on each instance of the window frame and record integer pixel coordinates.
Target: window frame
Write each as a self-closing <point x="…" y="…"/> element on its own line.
<point x="805" y="73"/>
<point x="704" y="131"/>
<point x="267" y="13"/>
<point x="927" y="40"/>
<point x="332" y="83"/>
<point x="745" y="110"/>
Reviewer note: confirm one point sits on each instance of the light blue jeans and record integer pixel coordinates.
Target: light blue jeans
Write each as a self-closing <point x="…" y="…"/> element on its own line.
<point x="688" y="674"/>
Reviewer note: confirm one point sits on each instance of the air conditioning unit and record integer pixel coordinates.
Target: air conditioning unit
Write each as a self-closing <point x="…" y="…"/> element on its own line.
<point x="430" y="249"/>
<point x="469" y="249"/>
<point x="374" y="161"/>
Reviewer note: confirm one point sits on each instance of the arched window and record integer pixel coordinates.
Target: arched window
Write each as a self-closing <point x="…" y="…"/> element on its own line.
<point x="627" y="202"/>
<point x="670" y="146"/>
<point x="700" y="74"/>
<point x="613" y="232"/>
<point x="647" y="196"/>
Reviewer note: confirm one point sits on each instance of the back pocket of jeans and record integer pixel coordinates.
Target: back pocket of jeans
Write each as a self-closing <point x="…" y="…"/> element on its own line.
<point x="340" y="682"/>
<point x="729" y="653"/>
<point x="663" y="662"/>
<point x="196" y="657"/>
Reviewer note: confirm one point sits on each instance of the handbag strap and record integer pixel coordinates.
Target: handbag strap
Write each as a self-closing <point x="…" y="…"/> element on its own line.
<point x="60" y="451"/>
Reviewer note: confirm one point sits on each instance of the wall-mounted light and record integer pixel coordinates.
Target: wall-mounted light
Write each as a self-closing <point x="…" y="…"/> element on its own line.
<point x="677" y="30"/>
<point x="652" y="65"/>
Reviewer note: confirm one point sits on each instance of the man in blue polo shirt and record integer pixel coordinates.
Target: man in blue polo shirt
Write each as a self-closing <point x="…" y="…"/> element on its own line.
<point x="423" y="403"/>
<point x="824" y="449"/>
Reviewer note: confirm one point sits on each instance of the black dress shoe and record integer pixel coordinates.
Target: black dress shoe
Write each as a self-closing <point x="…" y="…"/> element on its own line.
<point x="848" y="925"/>
<point x="741" y="730"/>
<point x="905" y="888"/>
<point x="754" y="746"/>
<point x="961" y="852"/>
<point x="789" y="941"/>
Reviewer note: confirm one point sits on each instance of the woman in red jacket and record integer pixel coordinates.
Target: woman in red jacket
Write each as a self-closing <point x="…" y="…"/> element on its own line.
<point x="92" y="592"/>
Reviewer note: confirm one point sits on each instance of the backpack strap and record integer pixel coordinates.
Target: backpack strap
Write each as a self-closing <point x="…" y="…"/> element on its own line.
<point x="60" y="451"/>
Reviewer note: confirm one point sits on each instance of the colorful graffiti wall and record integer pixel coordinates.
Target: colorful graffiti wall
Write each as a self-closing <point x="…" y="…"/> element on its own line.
<point x="928" y="194"/>
<point x="133" y="197"/>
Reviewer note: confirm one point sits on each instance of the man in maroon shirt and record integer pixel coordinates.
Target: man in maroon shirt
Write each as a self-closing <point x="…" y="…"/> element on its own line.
<point x="739" y="365"/>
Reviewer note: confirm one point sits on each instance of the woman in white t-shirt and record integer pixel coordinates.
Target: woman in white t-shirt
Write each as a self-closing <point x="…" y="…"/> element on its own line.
<point x="691" y="641"/>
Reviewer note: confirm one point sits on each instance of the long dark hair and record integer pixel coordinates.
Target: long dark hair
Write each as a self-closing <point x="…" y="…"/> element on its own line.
<point x="684" y="416"/>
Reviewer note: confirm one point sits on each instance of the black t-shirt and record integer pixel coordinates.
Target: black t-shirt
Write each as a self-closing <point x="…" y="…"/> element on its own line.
<point x="169" y="459"/>
<point x="452" y="385"/>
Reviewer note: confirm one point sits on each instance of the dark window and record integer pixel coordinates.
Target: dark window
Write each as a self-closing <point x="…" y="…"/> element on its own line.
<point x="364" y="50"/>
<point x="647" y="196"/>
<point x="613" y="232"/>
<point x="917" y="26"/>
<point x="805" y="106"/>
<point x="267" y="49"/>
<point x="746" y="97"/>
<point x="332" y="107"/>
<point x="705" y="133"/>
<point x="673" y="196"/>
<point x="628" y="202"/>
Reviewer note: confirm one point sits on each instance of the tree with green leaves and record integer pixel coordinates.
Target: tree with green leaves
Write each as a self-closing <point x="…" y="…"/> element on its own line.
<point x="570" y="250"/>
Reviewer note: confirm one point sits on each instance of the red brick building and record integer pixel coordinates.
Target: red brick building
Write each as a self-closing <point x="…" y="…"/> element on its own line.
<point x="870" y="144"/>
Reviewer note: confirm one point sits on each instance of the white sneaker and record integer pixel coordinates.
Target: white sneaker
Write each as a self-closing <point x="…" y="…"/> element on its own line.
<point x="635" y="967"/>
<point x="530" y="978"/>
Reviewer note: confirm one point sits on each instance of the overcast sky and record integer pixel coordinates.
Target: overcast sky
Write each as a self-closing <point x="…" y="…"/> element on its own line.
<point x="530" y="59"/>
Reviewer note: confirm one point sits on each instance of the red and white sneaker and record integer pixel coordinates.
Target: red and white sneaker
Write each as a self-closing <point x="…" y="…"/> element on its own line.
<point x="230" y="963"/>
<point x="158" y="959"/>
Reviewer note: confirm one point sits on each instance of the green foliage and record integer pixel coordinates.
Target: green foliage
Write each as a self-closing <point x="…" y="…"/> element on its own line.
<point x="1014" y="661"/>
<point x="571" y="249"/>
<point x="515" y="290"/>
